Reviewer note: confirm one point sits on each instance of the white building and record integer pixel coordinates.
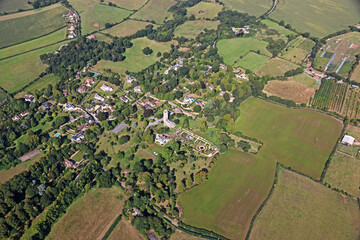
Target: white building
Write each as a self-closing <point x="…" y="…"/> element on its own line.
<point x="166" y="120"/>
<point x="138" y="89"/>
<point x="162" y="139"/>
<point x="99" y="98"/>
<point x="188" y="100"/>
<point x="69" y="107"/>
<point x="130" y="79"/>
<point x="106" y="88"/>
<point x="348" y="140"/>
<point x="29" y="98"/>
<point x="78" y="137"/>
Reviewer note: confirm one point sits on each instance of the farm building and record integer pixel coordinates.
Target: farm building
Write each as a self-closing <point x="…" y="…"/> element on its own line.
<point x="348" y="140"/>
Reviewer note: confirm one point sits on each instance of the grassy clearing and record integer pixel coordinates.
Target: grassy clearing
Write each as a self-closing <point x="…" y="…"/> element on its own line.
<point x="135" y="59"/>
<point x="14" y="5"/>
<point x="299" y="208"/>
<point x="278" y="28"/>
<point x="17" y="30"/>
<point x="297" y="50"/>
<point x="276" y="67"/>
<point x="191" y="29"/>
<point x="155" y="10"/>
<point x="253" y="61"/>
<point x="305" y="79"/>
<point x="132" y="5"/>
<point x="356" y="74"/>
<point x="232" y="49"/>
<point x="36" y="43"/>
<point x="18" y="71"/>
<point x="89" y="216"/>
<point x="204" y="10"/>
<point x="253" y="7"/>
<point x="39" y="84"/>
<point x="127" y="28"/>
<point x="291" y="90"/>
<point x="321" y="17"/>
<point x="124" y="231"/>
<point x="95" y="18"/>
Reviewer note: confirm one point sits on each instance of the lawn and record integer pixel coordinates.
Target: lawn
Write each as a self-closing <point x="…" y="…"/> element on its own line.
<point x="155" y="10"/>
<point x="191" y="29"/>
<point x="127" y="28"/>
<point x="39" y="84"/>
<point x="125" y="231"/>
<point x="321" y="17"/>
<point x="356" y="74"/>
<point x="253" y="7"/>
<point x="135" y="59"/>
<point x="300" y="208"/>
<point x="21" y="29"/>
<point x="16" y="72"/>
<point x="204" y="10"/>
<point x="14" y="5"/>
<point x="95" y="18"/>
<point x="253" y="61"/>
<point x="90" y="216"/>
<point x="33" y="44"/>
<point x="278" y="28"/>
<point x="276" y="67"/>
<point x="232" y="49"/>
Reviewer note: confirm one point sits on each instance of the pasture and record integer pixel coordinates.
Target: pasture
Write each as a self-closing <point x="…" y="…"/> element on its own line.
<point x="14" y="5"/>
<point x="16" y="72"/>
<point x="297" y="50"/>
<point x="125" y="231"/>
<point x="355" y="76"/>
<point x="90" y="216"/>
<point x="253" y="7"/>
<point x="160" y="7"/>
<point x="253" y="61"/>
<point x="300" y="208"/>
<point x="305" y="79"/>
<point x="320" y="18"/>
<point x="39" y="84"/>
<point x="135" y="59"/>
<point x="20" y="27"/>
<point x="191" y="29"/>
<point x="276" y="67"/>
<point x="127" y="28"/>
<point x="290" y="90"/>
<point x="204" y="10"/>
<point x="96" y="17"/>
<point x="277" y="27"/>
<point x="232" y="49"/>
<point x="132" y="5"/>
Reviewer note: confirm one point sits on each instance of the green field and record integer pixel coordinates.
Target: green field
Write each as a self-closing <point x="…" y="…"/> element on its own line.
<point x="204" y="10"/>
<point x="21" y="29"/>
<point x="16" y="72"/>
<point x="356" y="74"/>
<point x="252" y="7"/>
<point x="125" y="231"/>
<point x="191" y="29"/>
<point x="300" y="208"/>
<point x="232" y="49"/>
<point x="276" y="67"/>
<point x="132" y="5"/>
<point x="39" y="84"/>
<point x="14" y="5"/>
<point x="155" y="10"/>
<point x="297" y="50"/>
<point x="33" y="44"/>
<point x="127" y="28"/>
<point x="253" y="61"/>
<point x="135" y="59"/>
<point x="321" y="17"/>
<point x="95" y="18"/>
<point x="305" y="79"/>
<point x="278" y="28"/>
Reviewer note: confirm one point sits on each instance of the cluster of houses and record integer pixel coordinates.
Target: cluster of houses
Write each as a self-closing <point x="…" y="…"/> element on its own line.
<point x="179" y="64"/>
<point x="20" y="116"/>
<point x="317" y="75"/>
<point x="147" y="104"/>
<point x="72" y="24"/>
<point x="162" y="139"/>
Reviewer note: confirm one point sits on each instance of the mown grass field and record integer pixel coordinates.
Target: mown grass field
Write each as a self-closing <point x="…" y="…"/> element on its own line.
<point x="132" y="5"/>
<point x="253" y="7"/>
<point x="191" y="29"/>
<point x="33" y="44"/>
<point x="297" y="50"/>
<point x="356" y="74"/>
<point x="232" y="49"/>
<point x="14" y="5"/>
<point x="95" y="18"/>
<point x="20" y="29"/>
<point x="321" y="17"/>
<point x="90" y="216"/>
<point x="135" y="59"/>
<point x="125" y="231"/>
<point x="16" y="72"/>
<point x="305" y="79"/>
<point x="300" y="208"/>
<point x="204" y="10"/>
<point x="276" y="67"/>
<point x="253" y="61"/>
<point x="39" y="84"/>
<point x="154" y="10"/>
<point x="127" y="28"/>
<point x="277" y="27"/>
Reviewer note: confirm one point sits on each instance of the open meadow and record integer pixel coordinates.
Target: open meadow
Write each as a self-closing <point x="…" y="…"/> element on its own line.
<point x="135" y="58"/>
<point x="277" y="27"/>
<point x="90" y="216"/>
<point x="320" y="18"/>
<point x="300" y="208"/>
<point x="253" y="61"/>
<point x="276" y="67"/>
<point x="204" y="10"/>
<point x="232" y="49"/>
<point x="191" y="29"/>
<point x="127" y="28"/>
<point x="14" y="5"/>
<point x="253" y="7"/>
<point x="132" y="5"/>
<point x="160" y="7"/>
<point x="21" y="27"/>
<point x="39" y="84"/>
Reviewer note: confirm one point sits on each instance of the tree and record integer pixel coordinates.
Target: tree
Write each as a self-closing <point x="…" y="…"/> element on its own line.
<point x="101" y="116"/>
<point x="200" y="177"/>
<point x="181" y="187"/>
<point x="186" y="123"/>
<point x="148" y="137"/>
<point x="189" y="182"/>
<point x="223" y="148"/>
<point x="147" y="51"/>
<point x="197" y="108"/>
<point x="124" y="139"/>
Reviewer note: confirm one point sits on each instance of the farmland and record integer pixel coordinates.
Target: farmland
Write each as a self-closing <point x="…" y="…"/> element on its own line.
<point x="320" y="18"/>
<point x="22" y="28"/>
<point x="132" y="5"/>
<point x="204" y="10"/>
<point x="253" y="7"/>
<point x="232" y="49"/>
<point x="253" y="61"/>
<point x="135" y="59"/>
<point x="191" y="29"/>
<point x="39" y="84"/>
<point x="299" y="207"/>
<point x="305" y="79"/>
<point x="356" y="74"/>
<point x="124" y="231"/>
<point x="277" y="27"/>
<point x="14" y="5"/>
<point x="297" y="50"/>
<point x="159" y="7"/>
<point x="90" y="222"/>
<point x="291" y="90"/>
<point x="127" y="28"/>
<point x="276" y="67"/>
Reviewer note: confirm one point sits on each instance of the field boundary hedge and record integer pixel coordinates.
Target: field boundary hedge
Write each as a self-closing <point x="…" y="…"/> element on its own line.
<point x="112" y="227"/>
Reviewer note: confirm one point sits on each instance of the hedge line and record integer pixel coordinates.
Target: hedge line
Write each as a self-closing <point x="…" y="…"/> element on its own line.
<point x="116" y="222"/>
